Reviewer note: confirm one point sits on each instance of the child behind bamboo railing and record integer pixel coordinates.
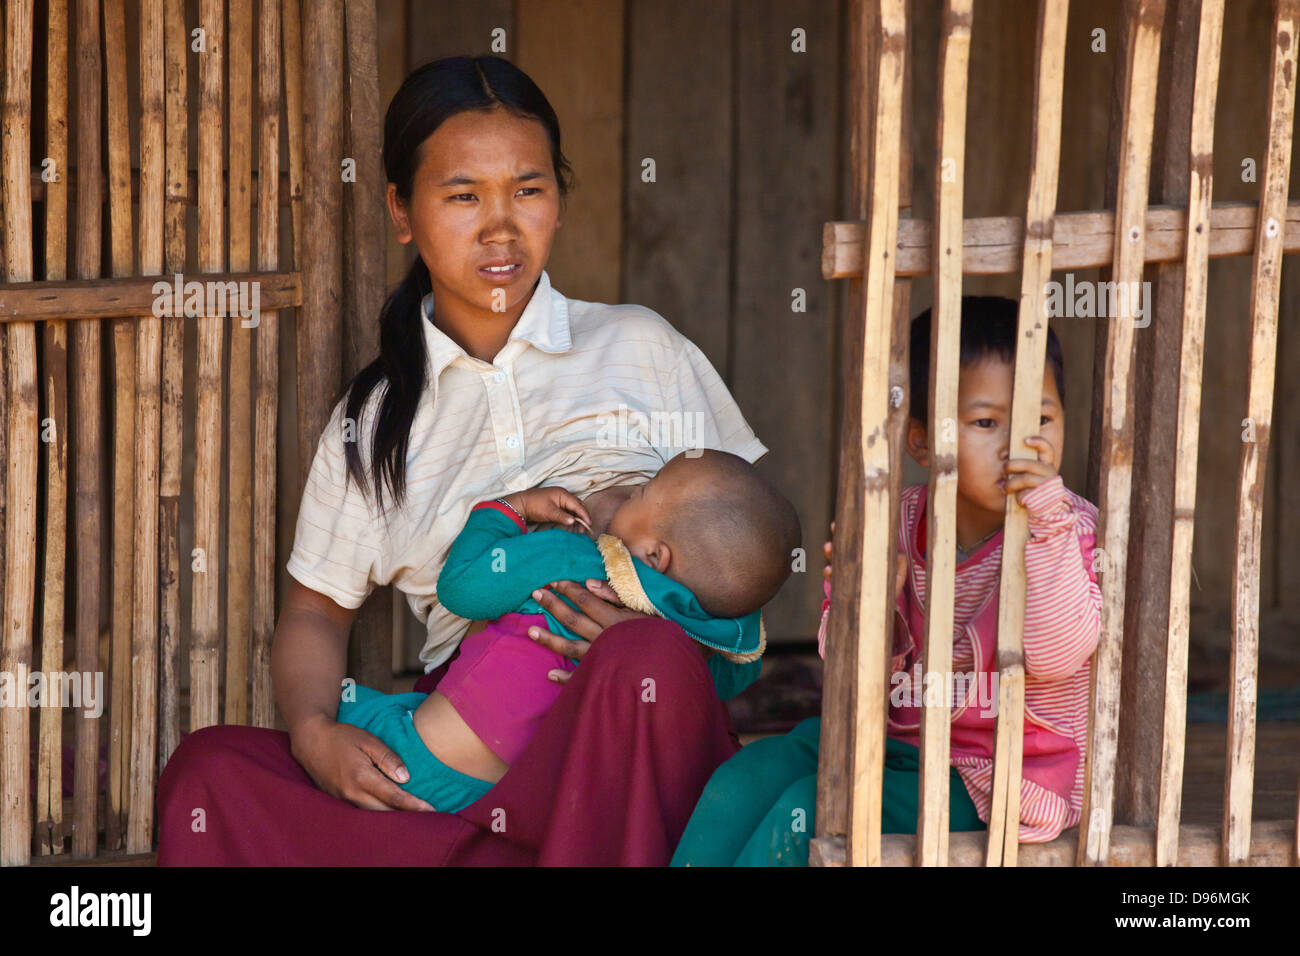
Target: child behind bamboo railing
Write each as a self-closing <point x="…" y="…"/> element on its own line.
<point x="758" y="809"/>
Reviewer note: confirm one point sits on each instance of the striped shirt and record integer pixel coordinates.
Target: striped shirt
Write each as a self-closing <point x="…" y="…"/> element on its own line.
<point x="1061" y="628"/>
<point x="583" y="395"/>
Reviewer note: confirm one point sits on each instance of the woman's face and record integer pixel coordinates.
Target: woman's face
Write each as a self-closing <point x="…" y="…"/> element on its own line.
<point x="483" y="211"/>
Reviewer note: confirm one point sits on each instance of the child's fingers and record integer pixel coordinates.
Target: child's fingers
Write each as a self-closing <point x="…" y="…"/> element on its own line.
<point x="1046" y="450"/>
<point x="1035" y="466"/>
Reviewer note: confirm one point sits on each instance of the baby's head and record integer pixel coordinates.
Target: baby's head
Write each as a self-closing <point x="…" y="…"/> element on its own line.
<point x="989" y="329"/>
<point x="715" y="525"/>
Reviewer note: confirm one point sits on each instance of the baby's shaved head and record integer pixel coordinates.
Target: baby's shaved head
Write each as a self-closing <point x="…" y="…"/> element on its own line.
<point x="730" y="530"/>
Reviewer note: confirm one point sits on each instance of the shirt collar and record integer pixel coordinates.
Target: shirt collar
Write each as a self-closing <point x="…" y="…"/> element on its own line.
<point x="544" y="324"/>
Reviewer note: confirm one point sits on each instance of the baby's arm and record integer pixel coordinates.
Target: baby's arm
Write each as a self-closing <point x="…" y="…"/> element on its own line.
<point x="1063" y="601"/>
<point x="493" y="566"/>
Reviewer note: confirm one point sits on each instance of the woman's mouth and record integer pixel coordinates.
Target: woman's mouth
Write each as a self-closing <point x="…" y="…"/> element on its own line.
<point x="501" y="272"/>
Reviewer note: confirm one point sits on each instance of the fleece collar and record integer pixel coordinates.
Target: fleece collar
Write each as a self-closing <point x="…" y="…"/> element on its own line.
<point x="642" y="588"/>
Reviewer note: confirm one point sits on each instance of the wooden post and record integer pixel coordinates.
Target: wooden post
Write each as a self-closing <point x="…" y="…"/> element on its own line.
<point x="49" y="774"/>
<point x="122" y="256"/>
<point x="205" y="649"/>
<point x="144" y="638"/>
<point x="1026" y="407"/>
<point x="238" y="419"/>
<point x="866" y="752"/>
<point x="1142" y="58"/>
<point x="176" y="39"/>
<point x="1266" y="279"/>
<point x="266" y="400"/>
<point x="941" y="497"/>
<point x="1200" y="170"/>
<point x="372" y="631"/>
<point x="86" y="375"/>
<point x="20" y="485"/>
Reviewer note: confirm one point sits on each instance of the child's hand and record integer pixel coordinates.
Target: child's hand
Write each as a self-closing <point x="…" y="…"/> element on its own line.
<point x="826" y="550"/>
<point x="551" y="504"/>
<point x="1022" y="475"/>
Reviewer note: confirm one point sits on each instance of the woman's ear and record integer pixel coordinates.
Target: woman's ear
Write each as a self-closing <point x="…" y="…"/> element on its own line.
<point x="397" y="212"/>
<point x="917" y="443"/>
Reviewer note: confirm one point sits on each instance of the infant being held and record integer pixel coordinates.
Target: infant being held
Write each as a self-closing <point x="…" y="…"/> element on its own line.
<point x="706" y="543"/>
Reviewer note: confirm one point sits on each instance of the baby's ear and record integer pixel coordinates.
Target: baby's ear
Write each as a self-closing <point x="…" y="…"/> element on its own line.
<point x="917" y="442"/>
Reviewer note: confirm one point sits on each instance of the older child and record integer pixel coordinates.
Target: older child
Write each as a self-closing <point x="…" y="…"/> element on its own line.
<point x="706" y="542"/>
<point x="758" y="807"/>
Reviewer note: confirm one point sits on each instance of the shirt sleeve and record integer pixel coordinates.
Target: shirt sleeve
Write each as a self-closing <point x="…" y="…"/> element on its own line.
<point x="709" y="417"/>
<point x="339" y="544"/>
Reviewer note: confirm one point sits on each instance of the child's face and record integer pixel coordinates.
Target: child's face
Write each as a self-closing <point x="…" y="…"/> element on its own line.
<point x="636" y="522"/>
<point x="983" y="432"/>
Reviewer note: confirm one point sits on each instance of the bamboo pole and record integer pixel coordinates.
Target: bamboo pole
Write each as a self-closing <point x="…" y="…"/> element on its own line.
<point x="20" y="485"/>
<point x="941" y="498"/>
<point x="1026" y="408"/>
<point x="838" y="691"/>
<point x="1146" y="18"/>
<point x="1266" y="280"/>
<point x="123" y="516"/>
<point x="176" y="40"/>
<point x="874" y="611"/>
<point x="266" y="397"/>
<point x="205" y="647"/>
<point x="1187" y="430"/>
<point x="291" y="36"/>
<point x="86" y="374"/>
<point x="49" y="774"/>
<point x="148" y="330"/>
<point x="239" y="490"/>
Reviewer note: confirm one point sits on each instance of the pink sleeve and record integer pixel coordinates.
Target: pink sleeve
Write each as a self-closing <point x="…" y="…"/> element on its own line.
<point x="826" y="613"/>
<point x="1063" y="601"/>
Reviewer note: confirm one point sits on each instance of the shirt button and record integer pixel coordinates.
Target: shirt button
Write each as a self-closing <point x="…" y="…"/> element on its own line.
<point x="512" y="442"/>
<point x="499" y="377"/>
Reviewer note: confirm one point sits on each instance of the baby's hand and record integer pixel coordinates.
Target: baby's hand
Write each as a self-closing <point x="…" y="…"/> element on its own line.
<point x="551" y="504"/>
<point x="1022" y="475"/>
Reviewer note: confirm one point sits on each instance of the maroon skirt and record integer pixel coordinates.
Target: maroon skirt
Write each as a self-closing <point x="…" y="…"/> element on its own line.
<point x="610" y="779"/>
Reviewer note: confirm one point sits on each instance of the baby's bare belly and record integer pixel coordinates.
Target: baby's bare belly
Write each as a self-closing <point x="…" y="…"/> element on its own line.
<point x="450" y="739"/>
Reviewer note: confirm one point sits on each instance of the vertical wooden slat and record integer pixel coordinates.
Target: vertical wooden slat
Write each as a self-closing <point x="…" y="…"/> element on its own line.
<point x="875" y="608"/>
<point x="176" y="40"/>
<point x="1187" y="429"/>
<point x="941" y="498"/>
<point x="144" y="637"/>
<point x="1142" y="56"/>
<point x="20" y="481"/>
<point x="364" y="250"/>
<point x="122" y="256"/>
<point x="205" y="648"/>
<point x="1026" y="407"/>
<point x="266" y="398"/>
<point x="238" y="419"/>
<point x="86" y="374"/>
<point x="1266" y="279"/>
<point x="291" y="12"/>
<point x="838" y="689"/>
<point x="49" y="775"/>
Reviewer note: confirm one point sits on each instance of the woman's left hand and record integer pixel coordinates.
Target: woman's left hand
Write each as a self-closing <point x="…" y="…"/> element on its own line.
<point x="598" y="608"/>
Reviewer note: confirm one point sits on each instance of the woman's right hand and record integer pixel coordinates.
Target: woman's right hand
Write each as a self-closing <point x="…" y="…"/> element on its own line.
<point x="350" y="763"/>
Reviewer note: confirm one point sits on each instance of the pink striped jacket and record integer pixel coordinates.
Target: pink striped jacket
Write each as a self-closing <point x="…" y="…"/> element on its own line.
<point x="1061" y="629"/>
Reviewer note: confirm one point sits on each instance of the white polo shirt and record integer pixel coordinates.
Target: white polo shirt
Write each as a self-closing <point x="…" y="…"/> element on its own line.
<point x="583" y="395"/>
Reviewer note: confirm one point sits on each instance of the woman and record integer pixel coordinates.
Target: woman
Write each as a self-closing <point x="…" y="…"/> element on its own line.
<point x="488" y="381"/>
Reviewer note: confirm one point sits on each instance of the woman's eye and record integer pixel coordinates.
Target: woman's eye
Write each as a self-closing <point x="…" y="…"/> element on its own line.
<point x="529" y="190"/>
<point x="463" y="196"/>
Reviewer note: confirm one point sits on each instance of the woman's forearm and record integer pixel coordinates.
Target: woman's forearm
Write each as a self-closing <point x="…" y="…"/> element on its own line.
<point x="308" y="663"/>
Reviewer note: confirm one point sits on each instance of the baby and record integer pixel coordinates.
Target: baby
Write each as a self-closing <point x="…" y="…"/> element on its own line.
<point x="706" y="543"/>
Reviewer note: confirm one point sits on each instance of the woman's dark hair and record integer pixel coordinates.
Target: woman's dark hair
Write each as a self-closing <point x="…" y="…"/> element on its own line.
<point x="989" y="329"/>
<point x="428" y="97"/>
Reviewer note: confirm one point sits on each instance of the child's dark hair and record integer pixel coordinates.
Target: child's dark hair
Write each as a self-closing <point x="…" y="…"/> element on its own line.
<point x="428" y="97"/>
<point x="989" y="329"/>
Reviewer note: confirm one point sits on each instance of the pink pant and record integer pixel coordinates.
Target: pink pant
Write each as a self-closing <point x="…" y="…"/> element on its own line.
<point x="610" y="779"/>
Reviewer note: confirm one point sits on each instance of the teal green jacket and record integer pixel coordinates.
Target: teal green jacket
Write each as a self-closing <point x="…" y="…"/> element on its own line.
<point x="493" y="569"/>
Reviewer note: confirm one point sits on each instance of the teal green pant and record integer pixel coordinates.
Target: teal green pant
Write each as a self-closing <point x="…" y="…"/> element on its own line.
<point x="757" y="809"/>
